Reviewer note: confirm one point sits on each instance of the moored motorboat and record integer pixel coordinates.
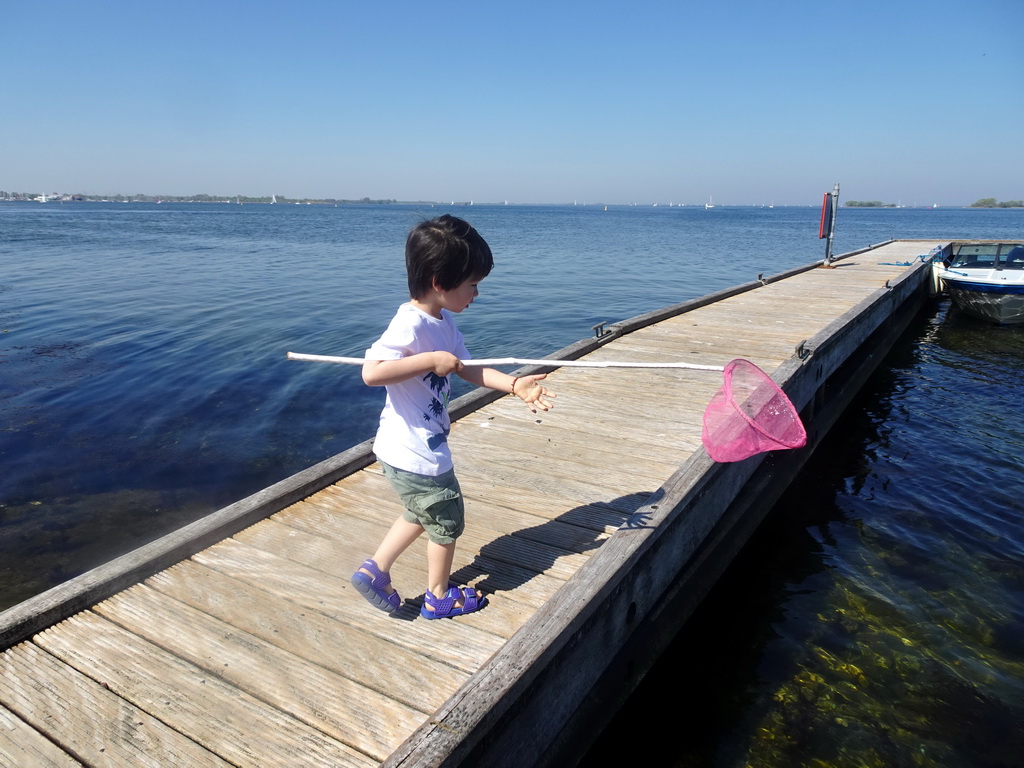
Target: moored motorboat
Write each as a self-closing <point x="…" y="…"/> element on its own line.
<point x="986" y="279"/>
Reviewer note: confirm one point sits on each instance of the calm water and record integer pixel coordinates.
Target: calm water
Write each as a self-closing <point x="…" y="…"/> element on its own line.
<point x="877" y="619"/>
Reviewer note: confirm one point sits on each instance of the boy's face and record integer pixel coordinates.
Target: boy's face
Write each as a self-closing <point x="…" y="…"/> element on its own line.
<point x="461" y="296"/>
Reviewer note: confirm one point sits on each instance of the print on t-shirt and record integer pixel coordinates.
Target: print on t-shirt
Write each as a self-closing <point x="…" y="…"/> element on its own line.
<point x="438" y="409"/>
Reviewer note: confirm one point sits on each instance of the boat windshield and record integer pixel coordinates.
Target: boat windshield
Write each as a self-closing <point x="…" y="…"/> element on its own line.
<point x="989" y="256"/>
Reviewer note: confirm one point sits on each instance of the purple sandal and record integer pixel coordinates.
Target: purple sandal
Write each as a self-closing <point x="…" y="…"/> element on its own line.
<point x="374" y="589"/>
<point x="445" y="607"/>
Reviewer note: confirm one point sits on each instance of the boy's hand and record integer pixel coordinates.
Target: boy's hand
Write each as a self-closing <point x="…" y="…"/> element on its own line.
<point x="529" y="390"/>
<point x="445" y="363"/>
<point x="378" y="373"/>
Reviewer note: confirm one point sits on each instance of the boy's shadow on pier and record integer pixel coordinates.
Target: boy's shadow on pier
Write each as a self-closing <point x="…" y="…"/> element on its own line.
<point x="514" y="559"/>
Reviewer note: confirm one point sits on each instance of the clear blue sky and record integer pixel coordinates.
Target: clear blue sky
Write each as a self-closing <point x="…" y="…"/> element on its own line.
<point x="751" y="101"/>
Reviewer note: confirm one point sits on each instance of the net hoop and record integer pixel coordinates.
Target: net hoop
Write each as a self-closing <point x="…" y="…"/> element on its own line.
<point x="749" y="414"/>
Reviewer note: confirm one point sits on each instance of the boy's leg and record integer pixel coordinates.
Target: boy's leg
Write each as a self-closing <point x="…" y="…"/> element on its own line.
<point x="396" y="541"/>
<point x="439" y="566"/>
<point x="439" y="569"/>
<point x="373" y="579"/>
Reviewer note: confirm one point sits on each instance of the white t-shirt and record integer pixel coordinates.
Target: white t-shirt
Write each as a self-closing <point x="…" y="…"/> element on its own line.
<point x="414" y="425"/>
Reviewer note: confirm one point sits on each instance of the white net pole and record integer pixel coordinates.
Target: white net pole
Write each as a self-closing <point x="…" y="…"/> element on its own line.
<point x="493" y="362"/>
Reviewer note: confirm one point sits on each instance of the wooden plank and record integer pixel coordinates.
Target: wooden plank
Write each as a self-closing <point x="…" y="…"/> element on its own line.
<point x="631" y="397"/>
<point x="565" y="540"/>
<point x="671" y="411"/>
<point x="88" y="718"/>
<point x="314" y="549"/>
<point x="575" y="474"/>
<point x="537" y="497"/>
<point x="22" y="745"/>
<point x="671" y="431"/>
<point x="370" y="499"/>
<point x="596" y="516"/>
<point x="521" y="587"/>
<point x="625" y="441"/>
<point x="408" y="676"/>
<point x="363" y="718"/>
<point x="503" y="517"/>
<point x="229" y="722"/>
<point x="335" y="597"/>
<point x="545" y="477"/>
<point x="322" y="553"/>
<point x="477" y="542"/>
<point x="532" y="556"/>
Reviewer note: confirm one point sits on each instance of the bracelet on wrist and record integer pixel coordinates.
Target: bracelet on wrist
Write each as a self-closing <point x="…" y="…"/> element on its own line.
<point x="514" y="384"/>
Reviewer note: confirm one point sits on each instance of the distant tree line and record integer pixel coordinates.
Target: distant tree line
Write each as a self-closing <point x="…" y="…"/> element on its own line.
<point x="990" y="202"/>
<point x="985" y="202"/>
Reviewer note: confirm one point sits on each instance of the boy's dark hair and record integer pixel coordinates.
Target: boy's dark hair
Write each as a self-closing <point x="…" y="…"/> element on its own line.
<point x="446" y="249"/>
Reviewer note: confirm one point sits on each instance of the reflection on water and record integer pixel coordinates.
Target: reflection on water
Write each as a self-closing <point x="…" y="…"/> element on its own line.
<point x="877" y="618"/>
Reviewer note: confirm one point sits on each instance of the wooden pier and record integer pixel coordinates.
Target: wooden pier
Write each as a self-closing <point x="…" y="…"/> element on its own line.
<point x="595" y="528"/>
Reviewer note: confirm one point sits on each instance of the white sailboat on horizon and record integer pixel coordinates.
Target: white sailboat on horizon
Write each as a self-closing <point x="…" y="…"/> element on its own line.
<point x="709" y="204"/>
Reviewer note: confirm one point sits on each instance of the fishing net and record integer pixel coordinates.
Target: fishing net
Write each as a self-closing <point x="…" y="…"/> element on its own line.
<point x="749" y="414"/>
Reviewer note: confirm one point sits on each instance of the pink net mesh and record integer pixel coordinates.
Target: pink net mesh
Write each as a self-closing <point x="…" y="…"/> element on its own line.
<point x="749" y="414"/>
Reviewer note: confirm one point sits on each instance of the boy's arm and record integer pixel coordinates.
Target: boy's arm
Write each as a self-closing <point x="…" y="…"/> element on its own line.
<point x="526" y="388"/>
<point x="378" y="373"/>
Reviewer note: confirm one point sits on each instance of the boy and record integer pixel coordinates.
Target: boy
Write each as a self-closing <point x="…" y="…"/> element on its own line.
<point x="445" y="259"/>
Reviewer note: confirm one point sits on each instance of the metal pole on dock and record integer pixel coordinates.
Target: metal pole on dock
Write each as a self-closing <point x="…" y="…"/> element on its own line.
<point x="828" y="221"/>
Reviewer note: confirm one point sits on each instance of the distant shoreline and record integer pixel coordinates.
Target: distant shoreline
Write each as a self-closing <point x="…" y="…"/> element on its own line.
<point x="28" y="197"/>
<point x="230" y="199"/>
<point x="146" y="200"/>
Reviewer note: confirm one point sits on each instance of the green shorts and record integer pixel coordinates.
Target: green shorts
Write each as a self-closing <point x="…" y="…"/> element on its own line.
<point x="433" y="502"/>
